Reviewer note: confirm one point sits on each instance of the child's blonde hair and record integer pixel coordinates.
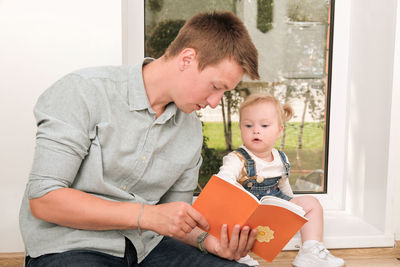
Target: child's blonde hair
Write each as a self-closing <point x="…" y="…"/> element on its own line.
<point x="285" y="112"/>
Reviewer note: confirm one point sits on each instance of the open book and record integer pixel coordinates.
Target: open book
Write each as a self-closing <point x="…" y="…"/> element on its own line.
<point x="277" y="220"/>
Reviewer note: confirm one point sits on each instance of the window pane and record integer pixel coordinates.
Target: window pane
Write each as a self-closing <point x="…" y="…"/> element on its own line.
<point x="292" y="37"/>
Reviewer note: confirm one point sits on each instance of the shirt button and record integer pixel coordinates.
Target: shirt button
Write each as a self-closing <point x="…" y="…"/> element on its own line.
<point x="144" y="158"/>
<point x="124" y="187"/>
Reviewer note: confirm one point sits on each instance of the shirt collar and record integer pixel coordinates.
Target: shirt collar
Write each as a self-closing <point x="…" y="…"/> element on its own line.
<point x="137" y="97"/>
<point x="170" y="111"/>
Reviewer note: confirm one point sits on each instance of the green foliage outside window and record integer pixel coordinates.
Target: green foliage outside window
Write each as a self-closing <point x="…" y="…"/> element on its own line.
<point x="155" y="5"/>
<point x="308" y="10"/>
<point x="164" y="33"/>
<point x="212" y="159"/>
<point x="265" y="15"/>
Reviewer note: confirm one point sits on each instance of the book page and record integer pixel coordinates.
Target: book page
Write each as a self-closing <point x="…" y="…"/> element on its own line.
<point x="221" y="202"/>
<point x="271" y="200"/>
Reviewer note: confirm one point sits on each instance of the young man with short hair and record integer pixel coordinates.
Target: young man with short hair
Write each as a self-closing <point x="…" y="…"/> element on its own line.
<point x="118" y="150"/>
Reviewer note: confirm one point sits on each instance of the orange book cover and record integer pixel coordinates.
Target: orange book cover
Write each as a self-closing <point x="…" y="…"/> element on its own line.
<point x="277" y="220"/>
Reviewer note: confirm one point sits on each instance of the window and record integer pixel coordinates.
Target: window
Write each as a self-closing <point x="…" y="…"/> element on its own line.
<point x="358" y="204"/>
<point x="293" y="40"/>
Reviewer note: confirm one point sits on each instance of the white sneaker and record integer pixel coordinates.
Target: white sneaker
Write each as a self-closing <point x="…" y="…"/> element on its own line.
<point x="316" y="256"/>
<point x="248" y="261"/>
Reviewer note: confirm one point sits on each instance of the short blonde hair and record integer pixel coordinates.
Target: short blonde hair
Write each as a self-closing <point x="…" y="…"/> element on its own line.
<point x="285" y="112"/>
<point x="217" y="36"/>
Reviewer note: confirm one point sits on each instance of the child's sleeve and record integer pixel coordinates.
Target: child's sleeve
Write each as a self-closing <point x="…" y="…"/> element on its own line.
<point x="231" y="168"/>
<point x="285" y="187"/>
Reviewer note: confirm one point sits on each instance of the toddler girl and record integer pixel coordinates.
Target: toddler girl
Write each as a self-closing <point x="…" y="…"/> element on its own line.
<point x="263" y="170"/>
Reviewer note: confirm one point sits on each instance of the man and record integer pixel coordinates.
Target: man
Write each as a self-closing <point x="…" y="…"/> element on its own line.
<point x="118" y="155"/>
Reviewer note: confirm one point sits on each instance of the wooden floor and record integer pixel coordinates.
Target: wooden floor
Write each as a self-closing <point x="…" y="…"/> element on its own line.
<point x="11" y="259"/>
<point x="366" y="257"/>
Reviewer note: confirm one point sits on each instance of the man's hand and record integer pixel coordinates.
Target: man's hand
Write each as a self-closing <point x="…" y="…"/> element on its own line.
<point x="241" y="242"/>
<point x="175" y="219"/>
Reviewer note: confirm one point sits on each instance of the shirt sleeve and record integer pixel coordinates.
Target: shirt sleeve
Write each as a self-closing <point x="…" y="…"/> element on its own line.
<point x="62" y="139"/>
<point x="231" y="168"/>
<point x="285" y="187"/>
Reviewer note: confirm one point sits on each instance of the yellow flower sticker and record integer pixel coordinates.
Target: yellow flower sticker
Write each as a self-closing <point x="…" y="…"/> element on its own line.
<point x="265" y="234"/>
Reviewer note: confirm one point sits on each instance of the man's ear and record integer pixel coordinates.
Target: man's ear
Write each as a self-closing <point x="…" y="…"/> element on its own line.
<point x="187" y="58"/>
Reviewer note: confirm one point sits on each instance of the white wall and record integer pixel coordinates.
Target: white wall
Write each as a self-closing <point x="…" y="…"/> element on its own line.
<point x="394" y="145"/>
<point x="40" y="41"/>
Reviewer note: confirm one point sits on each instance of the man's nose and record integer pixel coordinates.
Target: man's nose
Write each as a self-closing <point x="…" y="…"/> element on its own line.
<point x="214" y="99"/>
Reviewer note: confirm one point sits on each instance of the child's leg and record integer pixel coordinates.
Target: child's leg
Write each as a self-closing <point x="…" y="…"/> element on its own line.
<point x="312" y="251"/>
<point x="313" y="229"/>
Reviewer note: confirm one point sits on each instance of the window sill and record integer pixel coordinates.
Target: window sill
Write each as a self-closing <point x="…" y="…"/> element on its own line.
<point x="343" y="230"/>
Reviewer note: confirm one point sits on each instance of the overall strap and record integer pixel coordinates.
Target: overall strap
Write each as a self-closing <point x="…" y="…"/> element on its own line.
<point x="243" y="175"/>
<point x="285" y="162"/>
<point x="249" y="163"/>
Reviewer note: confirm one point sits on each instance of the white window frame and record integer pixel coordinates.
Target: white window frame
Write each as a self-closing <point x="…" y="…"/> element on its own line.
<point x="345" y="226"/>
<point x="132" y="31"/>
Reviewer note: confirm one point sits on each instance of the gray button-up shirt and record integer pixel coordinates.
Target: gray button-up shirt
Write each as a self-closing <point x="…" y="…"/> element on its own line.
<point x="98" y="133"/>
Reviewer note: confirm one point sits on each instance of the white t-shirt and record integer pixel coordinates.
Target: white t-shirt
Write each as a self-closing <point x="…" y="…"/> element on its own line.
<point x="232" y="167"/>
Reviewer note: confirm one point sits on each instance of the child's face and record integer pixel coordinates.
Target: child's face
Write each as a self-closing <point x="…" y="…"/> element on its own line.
<point x="260" y="127"/>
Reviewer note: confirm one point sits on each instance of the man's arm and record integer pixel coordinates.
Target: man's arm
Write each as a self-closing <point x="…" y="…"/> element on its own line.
<point x="73" y="208"/>
<point x="76" y="209"/>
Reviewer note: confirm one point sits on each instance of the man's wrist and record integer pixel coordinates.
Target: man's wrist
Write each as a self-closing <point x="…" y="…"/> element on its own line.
<point x="200" y="242"/>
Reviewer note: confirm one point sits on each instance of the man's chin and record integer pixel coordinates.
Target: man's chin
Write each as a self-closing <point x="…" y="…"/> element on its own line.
<point x="186" y="110"/>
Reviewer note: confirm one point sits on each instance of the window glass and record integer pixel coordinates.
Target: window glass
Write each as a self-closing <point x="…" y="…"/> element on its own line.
<point x="293" y="38"/>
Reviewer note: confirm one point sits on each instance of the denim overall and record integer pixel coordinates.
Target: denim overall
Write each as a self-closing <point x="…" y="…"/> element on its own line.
<point x="269" y="186"/>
